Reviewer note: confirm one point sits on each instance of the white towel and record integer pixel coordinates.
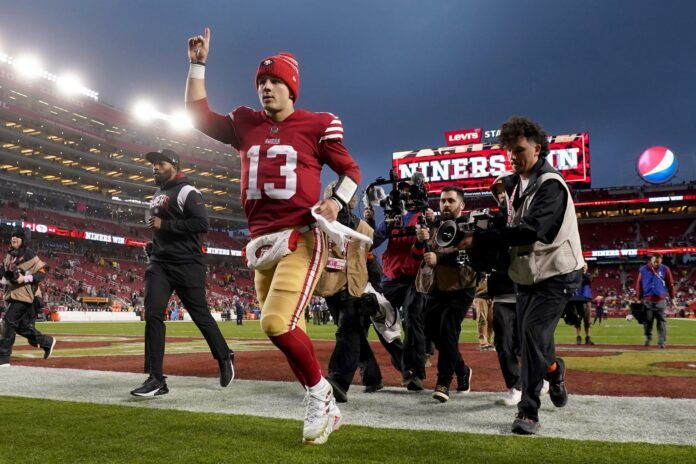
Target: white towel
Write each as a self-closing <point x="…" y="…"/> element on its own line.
<point x="338" y="233"/>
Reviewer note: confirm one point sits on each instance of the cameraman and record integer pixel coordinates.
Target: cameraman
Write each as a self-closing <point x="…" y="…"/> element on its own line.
<point x="449" y="290"/>
<point x="342" y="283"/>
<point x="21" y="272"/>
<point x="501" y="289"/>
<point x="400" y="269"/>
<point x="545" y="262"/>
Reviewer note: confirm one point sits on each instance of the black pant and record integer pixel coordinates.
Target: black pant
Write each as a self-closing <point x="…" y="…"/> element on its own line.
<point x="539" y="307"/>
<point x="240" y="316"/>
<point x="401" y="293"/>
<point x="19" y="319"/>
<point x="188" y="281"/>
<point x="599" y="313"/>
<point x="352" y="349"/>
<point x="507" y="344"/>
<point x="443" y="316"/>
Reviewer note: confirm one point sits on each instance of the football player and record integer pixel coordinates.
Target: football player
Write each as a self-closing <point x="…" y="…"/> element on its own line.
<point x="282" y="151"/>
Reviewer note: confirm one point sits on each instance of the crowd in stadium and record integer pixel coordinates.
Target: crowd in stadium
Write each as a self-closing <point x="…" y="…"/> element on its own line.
<point x="81" y="268"/>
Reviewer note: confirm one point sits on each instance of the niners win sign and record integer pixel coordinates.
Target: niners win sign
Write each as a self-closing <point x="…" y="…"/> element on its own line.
<point x="475" y="166"/>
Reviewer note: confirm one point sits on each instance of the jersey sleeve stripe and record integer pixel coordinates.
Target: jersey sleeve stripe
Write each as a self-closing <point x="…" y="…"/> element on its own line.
<point x="332" y="136"/>
<point x="336" y="121"/>
<point x="333" y="129"/>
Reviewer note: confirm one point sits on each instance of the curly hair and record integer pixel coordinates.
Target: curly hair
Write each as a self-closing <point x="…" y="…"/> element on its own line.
<point x="517" y="127"/>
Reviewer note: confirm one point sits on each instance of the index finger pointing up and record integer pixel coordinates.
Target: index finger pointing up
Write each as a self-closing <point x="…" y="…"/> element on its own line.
<point x="206" y="34"/>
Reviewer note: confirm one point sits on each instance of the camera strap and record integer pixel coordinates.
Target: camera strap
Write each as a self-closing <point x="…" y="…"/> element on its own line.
<point x="509" y="205"/>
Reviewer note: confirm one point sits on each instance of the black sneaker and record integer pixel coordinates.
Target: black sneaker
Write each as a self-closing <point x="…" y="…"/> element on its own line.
<point x="151" y="387"/>
<point x="588" y="340"/>
<point x="557" y="387"/>
<point x="647" y="343"/>
<point x="373" y="388"/>
<point x="464" y="381"/>
<point x="339" y="393"/>
<point x="525" y="425"/>
<point x="49" y="351"/>
<point x="441" y="393"/>
<point x="226" y="370"/>
<point x="578" y="340"/>
<point x="661" y="345"/>
<point x="416" y="384"/>
<point x="406" y="379"/>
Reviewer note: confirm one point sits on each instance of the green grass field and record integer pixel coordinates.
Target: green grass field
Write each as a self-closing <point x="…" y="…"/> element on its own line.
<point x="43" y="431"/>
<point x="613" y="331"/>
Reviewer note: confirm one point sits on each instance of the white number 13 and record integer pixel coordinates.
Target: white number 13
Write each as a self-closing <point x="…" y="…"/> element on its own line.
<point x="287" y="170"/>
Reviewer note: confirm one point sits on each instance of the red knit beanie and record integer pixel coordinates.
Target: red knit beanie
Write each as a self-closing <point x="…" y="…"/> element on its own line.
<point x="284" y="66"/>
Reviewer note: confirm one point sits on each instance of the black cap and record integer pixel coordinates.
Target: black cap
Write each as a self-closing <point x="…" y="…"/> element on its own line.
<point x="163" y="155"/>
<point x="23" y="233"/>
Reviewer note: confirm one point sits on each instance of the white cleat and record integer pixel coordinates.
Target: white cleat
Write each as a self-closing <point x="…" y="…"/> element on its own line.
<point x="322" y="416"/>
<point x="512" y="398"/>
<point x="7" y="364"/>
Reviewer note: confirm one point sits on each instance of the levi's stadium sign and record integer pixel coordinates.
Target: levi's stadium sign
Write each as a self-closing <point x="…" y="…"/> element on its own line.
<point x="475" y="166"/>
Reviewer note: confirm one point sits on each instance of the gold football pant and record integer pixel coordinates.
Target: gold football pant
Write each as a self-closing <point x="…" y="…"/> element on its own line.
<point x="285" y="289"/>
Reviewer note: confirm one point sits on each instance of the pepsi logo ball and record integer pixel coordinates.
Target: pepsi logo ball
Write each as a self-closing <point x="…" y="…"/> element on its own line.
<point x="657" y="165"/>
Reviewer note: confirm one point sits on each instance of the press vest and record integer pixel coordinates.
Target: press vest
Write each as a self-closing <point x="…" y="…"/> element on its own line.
<point x="539" y="261"/>
<point x="354" y="275"/>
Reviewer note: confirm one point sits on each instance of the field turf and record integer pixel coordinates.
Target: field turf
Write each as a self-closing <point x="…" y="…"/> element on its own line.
<point x="612" y="331"/>
<point x="44" y="431"/>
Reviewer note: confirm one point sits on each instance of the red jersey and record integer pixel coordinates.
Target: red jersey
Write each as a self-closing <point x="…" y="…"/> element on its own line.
<point x="281" y="161"/>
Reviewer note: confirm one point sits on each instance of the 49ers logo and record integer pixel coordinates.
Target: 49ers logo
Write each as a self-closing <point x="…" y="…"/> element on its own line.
<point x="160" y="201"/>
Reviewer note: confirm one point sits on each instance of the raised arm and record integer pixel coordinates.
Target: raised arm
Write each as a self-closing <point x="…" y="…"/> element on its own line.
<point x="212" y="124"/>
<point x="198" y="49"/>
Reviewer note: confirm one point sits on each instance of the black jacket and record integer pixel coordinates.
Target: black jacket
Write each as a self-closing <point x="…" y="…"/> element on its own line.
<point x="545" y="215"/>
<point x="184" y="218"/>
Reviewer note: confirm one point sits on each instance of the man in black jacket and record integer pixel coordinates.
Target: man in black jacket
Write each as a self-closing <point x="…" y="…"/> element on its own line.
<point x="177" y="217"/>
<point x="502" y="290"/>
<point x="545" y="262"/>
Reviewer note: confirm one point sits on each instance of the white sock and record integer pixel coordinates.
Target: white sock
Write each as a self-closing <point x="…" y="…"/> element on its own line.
<point x="320" y="386"/>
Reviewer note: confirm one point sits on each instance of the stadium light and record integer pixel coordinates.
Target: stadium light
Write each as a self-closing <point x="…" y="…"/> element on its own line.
<point x="145" y="111"/>
<point x="70" y="84"/>
<point x="180" y="121"/>
<point x="28" y="66"/>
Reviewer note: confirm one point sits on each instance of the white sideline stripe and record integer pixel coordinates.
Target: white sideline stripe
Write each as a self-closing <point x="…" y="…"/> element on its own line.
<point x="614" y="419"/>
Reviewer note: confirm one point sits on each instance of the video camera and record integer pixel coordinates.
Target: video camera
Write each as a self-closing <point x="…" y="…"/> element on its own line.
<point x="406" y="195"/>
<point x="452" y="232"/>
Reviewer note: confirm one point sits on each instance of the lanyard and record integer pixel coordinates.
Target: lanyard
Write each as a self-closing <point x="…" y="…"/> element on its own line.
<point x="510" y="202"/>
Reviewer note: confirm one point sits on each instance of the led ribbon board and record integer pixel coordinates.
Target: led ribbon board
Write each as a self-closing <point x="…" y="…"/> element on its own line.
<point x="474" y="167"/>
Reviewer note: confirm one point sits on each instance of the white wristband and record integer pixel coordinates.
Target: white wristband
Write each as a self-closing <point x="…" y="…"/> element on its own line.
<point x="196" y="71"/>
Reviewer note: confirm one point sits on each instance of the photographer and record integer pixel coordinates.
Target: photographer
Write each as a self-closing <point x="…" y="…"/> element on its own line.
<point x="545" y="262"/>
<point x="404" y="214"/>
<point x="449" y="290"/>
<point x="342" y="283"/>
<point x="21" y="272"/>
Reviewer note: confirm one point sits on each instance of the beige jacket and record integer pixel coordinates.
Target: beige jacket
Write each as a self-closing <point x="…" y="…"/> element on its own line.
<point x="354" y="276"/>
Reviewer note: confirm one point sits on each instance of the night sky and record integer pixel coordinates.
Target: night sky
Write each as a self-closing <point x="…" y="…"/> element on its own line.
<point x="401" y="73"/>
